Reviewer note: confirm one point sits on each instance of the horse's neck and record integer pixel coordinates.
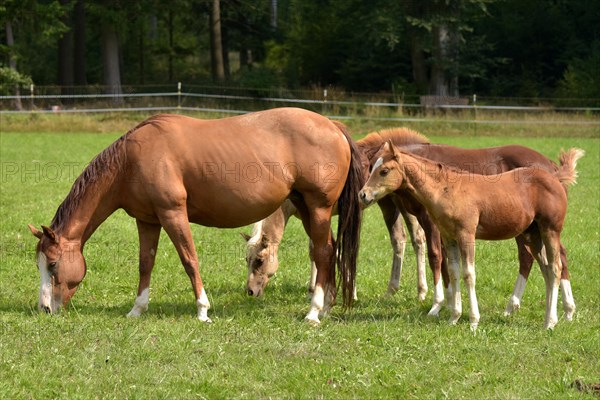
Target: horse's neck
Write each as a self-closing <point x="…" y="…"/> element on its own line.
<point x="425" y="179"/>
<point x="94" y="206"/>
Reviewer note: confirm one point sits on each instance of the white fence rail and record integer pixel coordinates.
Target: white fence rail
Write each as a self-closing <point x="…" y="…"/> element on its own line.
<point x="225" y="103"/>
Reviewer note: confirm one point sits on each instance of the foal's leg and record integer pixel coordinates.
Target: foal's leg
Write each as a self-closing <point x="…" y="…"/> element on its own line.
<point x="546" y="248"/>
<point x="435" y="254"/>
<point x="417" y="235"/>
<point x="392" y="220"/>
<point x="565" y="286"/>
<point x="454" y="300"/>
<point x="148" y="236"/>
<point x="525" y="263"/>
<point x="467" y="250"/>
<point x="175" y="222"/>
<point x="551" y="241"/>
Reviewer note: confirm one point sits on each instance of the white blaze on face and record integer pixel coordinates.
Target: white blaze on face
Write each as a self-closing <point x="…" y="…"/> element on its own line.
<point x="256" y="233"/>
<point x="45" y="282"/>
<point x="377" y="164"/>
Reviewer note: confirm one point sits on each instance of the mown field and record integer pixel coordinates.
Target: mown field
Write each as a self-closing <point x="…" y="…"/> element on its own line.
<point x="262" y="348"/>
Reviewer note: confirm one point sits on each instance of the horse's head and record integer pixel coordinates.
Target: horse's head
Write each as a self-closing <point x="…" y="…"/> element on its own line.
<point x="261" y="257"/>
<point x="61" y="266"/>
<point x="386" y="176"/>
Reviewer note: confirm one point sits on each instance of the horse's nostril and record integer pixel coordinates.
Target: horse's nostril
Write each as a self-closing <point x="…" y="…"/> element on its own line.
<point x="46" y="309"/>
<point x="250" y="292"/>
<point x="362" y="195"/>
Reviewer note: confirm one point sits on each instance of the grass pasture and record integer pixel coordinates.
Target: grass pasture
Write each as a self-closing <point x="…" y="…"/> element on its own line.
<point x="261" y="348"/>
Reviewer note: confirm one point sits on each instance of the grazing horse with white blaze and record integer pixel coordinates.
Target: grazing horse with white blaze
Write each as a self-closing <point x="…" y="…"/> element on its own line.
<point x="527" y="202"/>
<point x="171" y="170"/>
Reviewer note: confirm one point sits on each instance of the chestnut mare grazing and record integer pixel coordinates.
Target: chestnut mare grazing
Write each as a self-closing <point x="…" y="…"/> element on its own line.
<point x="262" y="247"/>
<point x="527" y="202"/>
<point x="171" y="170"/>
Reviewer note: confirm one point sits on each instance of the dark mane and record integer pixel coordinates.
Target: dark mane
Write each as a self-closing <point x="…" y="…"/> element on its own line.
<point x="399" y="137"/>
<point x="103" y="168"/>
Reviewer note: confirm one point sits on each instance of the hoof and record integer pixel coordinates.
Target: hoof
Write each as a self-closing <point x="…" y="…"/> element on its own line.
<point x="512" y="307"/>
<point x="421" y="296"/>
<point x="435" y="310"/>
<point x="205" y="320"/>
<point x="550" y="325"/>
<point x="312" y="321"/>
<point x="569" y="311"/>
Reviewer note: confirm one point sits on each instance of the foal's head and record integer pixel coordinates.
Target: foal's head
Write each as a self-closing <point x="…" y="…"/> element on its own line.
<point x="387" y="175"/>
<point x="61" y="266"/>
<point x="262" y="261"/>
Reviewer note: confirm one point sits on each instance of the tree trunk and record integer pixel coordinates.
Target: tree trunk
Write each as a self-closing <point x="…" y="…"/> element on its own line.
<point x="419" y="66"/>
<point x="218" y="69"/>
<point x="12" y="61"/>
<point x="66" y="72"/>
<point x="79" y="66"/>
<point x="440" y="51"/>
<point x="110" y="61"/>
<point x="170" y="55"/>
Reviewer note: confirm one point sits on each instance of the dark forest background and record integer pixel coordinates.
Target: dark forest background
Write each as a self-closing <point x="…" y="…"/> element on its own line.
<point x="505" y="48"/>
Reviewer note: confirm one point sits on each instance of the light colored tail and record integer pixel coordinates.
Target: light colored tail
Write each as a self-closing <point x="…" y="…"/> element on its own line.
<point x="567" y="172"/>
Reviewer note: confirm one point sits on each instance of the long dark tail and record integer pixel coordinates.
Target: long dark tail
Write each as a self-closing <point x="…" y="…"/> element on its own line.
<point x="349" y="221"/>
<point x="567" y="172"/>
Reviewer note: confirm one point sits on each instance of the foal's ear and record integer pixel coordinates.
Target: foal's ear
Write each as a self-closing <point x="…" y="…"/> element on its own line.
<point x="264" y="241"/>
<point x="37" y="233"/>
<point x="245" y="236"/>
<point x="393" y="151"/>
<point x="50" y="234"/>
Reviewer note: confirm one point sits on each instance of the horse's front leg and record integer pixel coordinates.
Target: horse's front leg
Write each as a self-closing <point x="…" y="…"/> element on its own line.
<point x="393" y="222"/>
<point x="467" y="250"/>
<point x="436" y="263"/>
<point x="148" y="236"/>
<point x="454" y="300"/>
<point x="417" y="235"/>
<point x="175" y="222"/>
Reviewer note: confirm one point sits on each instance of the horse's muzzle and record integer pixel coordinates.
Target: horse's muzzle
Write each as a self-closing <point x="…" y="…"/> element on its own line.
<point x="366" y="198"/>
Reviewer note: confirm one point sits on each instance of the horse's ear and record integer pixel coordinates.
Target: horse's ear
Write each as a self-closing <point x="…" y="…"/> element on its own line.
<point x="393" y="151"/>
<point x="50" y="234"/>
<point x="245" y="236"/>
<point x="37" y="233"/>
<point x="264" y="241"/>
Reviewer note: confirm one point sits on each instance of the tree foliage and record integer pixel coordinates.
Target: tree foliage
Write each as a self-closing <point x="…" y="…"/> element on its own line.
<point x="535" y="48"/>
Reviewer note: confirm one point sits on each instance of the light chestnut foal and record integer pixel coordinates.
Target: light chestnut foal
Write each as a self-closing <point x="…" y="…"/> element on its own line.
<point x="526" y="202"/>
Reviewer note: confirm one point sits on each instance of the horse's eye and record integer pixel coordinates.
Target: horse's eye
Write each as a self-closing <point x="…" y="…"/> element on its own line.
<point x="259" y="262"/>
<point x="52" y="265"/>
<point x="384" y="172"/>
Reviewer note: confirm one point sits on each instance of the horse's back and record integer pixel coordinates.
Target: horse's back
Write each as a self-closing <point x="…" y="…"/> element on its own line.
<point x="234" y="171"/>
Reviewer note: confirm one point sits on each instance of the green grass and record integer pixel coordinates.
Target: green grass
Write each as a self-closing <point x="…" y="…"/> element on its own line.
<point x="261" y="348"/>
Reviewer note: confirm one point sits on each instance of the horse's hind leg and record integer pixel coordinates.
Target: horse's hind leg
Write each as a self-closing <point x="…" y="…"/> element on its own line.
<point x="317" y="223"/>
<point x="551" y="241"/>
<point x="175" y="223"/>
<point x="392" y="220"/>
<point x="525" y="263"/>
<point x="148" y="236"/>
<point x="565" y="287"/>
<point x="546" y="250"/>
